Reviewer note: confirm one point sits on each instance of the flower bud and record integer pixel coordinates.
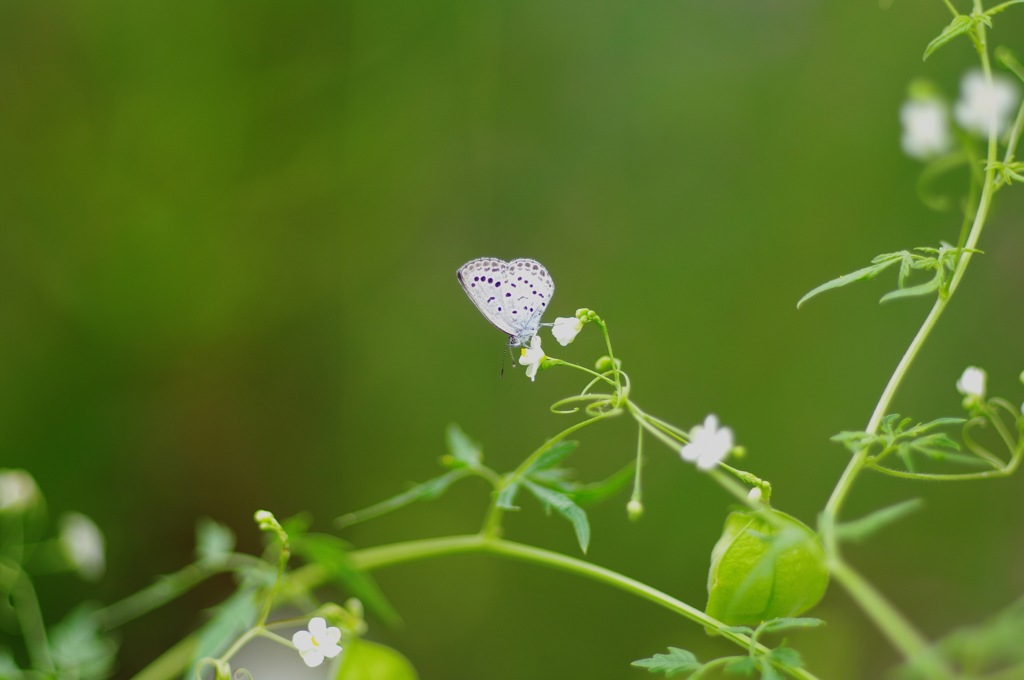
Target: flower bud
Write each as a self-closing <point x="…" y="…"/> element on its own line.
<point x="634" y="509"/>
<point x="605" y="363"/>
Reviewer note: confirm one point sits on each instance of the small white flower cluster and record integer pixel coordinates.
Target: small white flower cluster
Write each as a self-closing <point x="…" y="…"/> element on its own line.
<point x="83" y="545"/>
<point x="709" y="444"/>
<point x="983" y="106"/>
<point x="318" y="643"/>
<point x="18" y="491"/>
<point x="564" y="329"/>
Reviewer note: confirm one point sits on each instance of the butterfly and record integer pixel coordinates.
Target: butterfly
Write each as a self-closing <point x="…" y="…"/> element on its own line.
<point x="511" y="295"/>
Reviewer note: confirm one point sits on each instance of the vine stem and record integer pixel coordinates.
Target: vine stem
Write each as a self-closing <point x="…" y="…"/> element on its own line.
<point x="374" y="558"/>
<point x="901" y="633"/>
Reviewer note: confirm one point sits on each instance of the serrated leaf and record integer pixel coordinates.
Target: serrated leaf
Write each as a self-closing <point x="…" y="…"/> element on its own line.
<point x="586" y="494"/>
<point x="675" y="662"/>
<point x="78" y="648"/>
<point x="869" y="272"/>
<point x="960" y="25"/>
<point x="507" y="496"/>
<point x="566" y="508"/>
<point x="461" y="447"/>
<point x="214" y="541"/>
<point x="330" y="553"/>
<point x="554" y="455"/>
<point x="365" y="660"/>
<point x="913" y="291"/>
<point x="768" y="672"/>
<point x="230" y="619"/>
<point x="859" y="529"/>
<point x="741" y="665"/>
<point x="426" y="491"/>
<point x="786" y="656"/>
<point x="789" y="623"/>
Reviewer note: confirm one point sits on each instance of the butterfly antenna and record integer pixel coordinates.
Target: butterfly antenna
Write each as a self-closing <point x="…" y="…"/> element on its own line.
<point x="511" y="355"/>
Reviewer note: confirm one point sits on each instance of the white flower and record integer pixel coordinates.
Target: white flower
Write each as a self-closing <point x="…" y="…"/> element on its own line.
<point x="709" y="444"/>
<point x="565" y="329"/>
<point x="83" y="545"/>
<point x="18" y="491"/>
<point x="982" y="105"/>
<point x="972" y="382"/>
<point x="531" y="357"/>
<point x="317" y="643"/>
<point x="925" y="128"/>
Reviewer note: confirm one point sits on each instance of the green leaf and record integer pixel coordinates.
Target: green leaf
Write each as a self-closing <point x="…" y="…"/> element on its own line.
<point x="914" y="291"/>
<point x="78" y="648"/>
<point x="554" y="455"/>
<point x="214" y="541"/>
<point x="587" y="494"/>
<point x="960" y="25"/>
<point x="741" y="665"/>
<point x="566" y="508"/>
<point x="427" y="491"/>
<point x="9" y="669"/>
<point x="768" y="672"/>
<point x="462" y="448"/>
<point x="789" y="623"/>
<point x="675" y="662"/>
<point x="999" y="8"/>
<point x="859" y="529"/>
<point x="364" y="660"/>
<point x="230" y="619"/>
<point x="331" y="554"/>
<point x="864" y="274"/>
<point x="787" y="656"/>
<point x="507" y="496"/>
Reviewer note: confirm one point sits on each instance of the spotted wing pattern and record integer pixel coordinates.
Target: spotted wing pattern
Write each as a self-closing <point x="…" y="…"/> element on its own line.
<point x="511" y="295"/>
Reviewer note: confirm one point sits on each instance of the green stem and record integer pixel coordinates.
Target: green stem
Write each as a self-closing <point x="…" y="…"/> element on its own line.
<point x="903" y="636"/>
<point x="899" y="631"/>
<point x="373" y="558"/>
<point x="30" y="617"/>
<point x="492" y="522"/>
<point x="166" y="589"/>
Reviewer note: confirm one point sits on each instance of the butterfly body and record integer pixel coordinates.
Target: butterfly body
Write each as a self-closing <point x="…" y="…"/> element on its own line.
<point x="511" y="295"/>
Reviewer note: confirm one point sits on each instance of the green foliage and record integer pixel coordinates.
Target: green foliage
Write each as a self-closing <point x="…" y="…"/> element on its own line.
<point x="464" y="458"/>
<point x="674" y="663"/>
<point x="565" y="507"/>
<point x="553" y="487"/>
<point x="214" y="541"/>
<point x="962" y="24"/>
<point x="230" y="619"/>
<point x="860" y="529"/>
<point x="79" y="648"/>
<point x="758" y="660"/>
<point x="331" y="554"/>
<point x="940" y="261"/>
<point x="461" y="448"/>
<point x="897" y="436"/>
<point x="365" y="660"/>
<point x="990" y="649"/>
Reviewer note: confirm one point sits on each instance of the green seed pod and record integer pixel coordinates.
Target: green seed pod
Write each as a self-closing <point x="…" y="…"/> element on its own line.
<point x="766" y="565"/>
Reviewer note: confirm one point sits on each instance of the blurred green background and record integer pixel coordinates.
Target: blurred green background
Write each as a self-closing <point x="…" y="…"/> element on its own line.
<point x="228" y="241"/>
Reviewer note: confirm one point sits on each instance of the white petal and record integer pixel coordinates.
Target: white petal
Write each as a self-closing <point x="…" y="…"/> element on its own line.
<point x="330" y="637"/>
<point x="318" y="627"/>
<point x="690" y="452"/>
<point x="303" y="640"/>
<point x="331" y="651"/>
<point x="313" y="657"/>
<point x="711" y="422"/>
<point x="565" y="329"/>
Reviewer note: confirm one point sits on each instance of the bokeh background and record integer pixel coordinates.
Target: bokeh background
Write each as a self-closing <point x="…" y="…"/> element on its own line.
<point x="228" y="241"/>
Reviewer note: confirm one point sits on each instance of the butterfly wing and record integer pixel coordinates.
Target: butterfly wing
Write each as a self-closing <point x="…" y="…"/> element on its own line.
<point x="511" y="295"/>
